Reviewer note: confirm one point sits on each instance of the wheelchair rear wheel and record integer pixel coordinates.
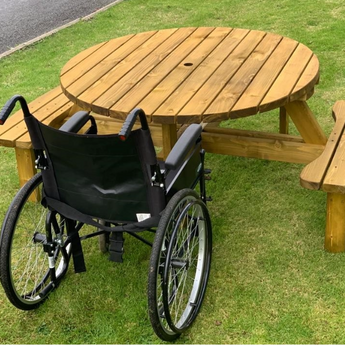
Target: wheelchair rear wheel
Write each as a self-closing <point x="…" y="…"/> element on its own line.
<point x="27" y="231"/>
<point x="179" y="265"/>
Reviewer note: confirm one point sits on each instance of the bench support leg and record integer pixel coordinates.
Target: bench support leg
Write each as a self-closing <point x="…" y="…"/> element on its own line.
<point x="25" y="164"/>
<point x="306" y="123"/>
<point x="335" y="223"/>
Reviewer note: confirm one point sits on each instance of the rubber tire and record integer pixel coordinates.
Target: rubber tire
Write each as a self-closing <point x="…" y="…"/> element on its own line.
<point x="161" y="331"/>
<point x="8" y="231"/>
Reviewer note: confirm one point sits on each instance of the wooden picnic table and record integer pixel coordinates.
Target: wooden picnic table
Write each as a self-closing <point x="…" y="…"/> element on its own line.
<point x="205" y="74"/>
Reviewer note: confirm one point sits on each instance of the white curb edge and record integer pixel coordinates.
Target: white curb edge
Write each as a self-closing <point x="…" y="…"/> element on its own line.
<point x="36" y="39"/>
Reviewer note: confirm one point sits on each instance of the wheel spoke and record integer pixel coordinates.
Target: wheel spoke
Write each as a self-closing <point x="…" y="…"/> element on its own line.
<point x="24" y="263"/>
<point x="184" y="261"/>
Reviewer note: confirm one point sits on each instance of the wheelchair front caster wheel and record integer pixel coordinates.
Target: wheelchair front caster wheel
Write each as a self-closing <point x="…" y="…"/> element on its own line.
<point x="179" y="265"/>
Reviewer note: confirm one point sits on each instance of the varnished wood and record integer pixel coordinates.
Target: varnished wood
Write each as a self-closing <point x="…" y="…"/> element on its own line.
<point x="284" y="88"/>
<point x="169" y="134"/>
<point x="306" y="123"/>
<point x="327" y="173"/>
<point x="189" y="75"/>
<point x="335" y="223"/>
<point x="250" y="99"/>
<point x="334" y="181"/>
<point x="264" y="147"/>
<point x="283" y="121"/>
<point x="26" y="164"/>
<point x="314" y="174"/>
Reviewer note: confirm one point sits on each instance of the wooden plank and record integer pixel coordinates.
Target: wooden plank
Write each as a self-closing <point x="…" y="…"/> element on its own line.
<point x="168" y="75"/>
<point x="19" y="135"/>
<point x="252" y="134"/>
<point x="39" y="102"/>
<point x="283" y="151"/>
<point x="313" y="174"/>
<point x="118" y="88"/>
<point x="334" y="181"/>
<point x="89" y="62"/>
<point x="90" y="80"/>
<point x="221" y="76"/>
<point x="306" y="83"/>
<point x="10" y="137"/>
<point x="251" y="98"/>
<point x="306" y="122"/>
<point x="80" y="57"/>
<point x="222" y="105"/>
<point x="104" y="82"/>
<point x="175" y="101"/>
<point x="279" y="93"/>
<point x="335" y="223"/>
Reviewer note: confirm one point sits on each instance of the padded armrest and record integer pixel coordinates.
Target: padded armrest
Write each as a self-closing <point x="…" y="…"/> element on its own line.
<point x="185" y="143"/>
<point x="76" y="122"/>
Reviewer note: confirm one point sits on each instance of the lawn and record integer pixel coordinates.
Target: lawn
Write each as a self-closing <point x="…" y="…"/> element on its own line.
<point x="271" y="280"/>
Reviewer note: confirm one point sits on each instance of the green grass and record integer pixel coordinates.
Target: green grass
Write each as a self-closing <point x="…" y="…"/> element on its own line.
<point x="271" y="280"/>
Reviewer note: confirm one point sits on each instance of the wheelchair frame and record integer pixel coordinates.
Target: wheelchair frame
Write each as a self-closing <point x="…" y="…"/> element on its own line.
<point x="181" y="251"/>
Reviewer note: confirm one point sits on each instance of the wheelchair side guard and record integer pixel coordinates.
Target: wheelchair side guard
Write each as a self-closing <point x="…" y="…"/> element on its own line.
<point x="183" y="146"/>
<point x="77" y="121"/>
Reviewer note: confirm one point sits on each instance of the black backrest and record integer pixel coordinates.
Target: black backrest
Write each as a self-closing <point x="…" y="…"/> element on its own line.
<point x="100" y="175"/>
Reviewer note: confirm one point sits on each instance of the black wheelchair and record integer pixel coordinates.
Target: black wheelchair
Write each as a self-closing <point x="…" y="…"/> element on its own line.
<point x="116" y="185"/>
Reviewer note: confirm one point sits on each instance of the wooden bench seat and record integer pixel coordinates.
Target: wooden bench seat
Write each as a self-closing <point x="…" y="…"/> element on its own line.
<point x="53" y="109"/>
<point x="327" y="173"/>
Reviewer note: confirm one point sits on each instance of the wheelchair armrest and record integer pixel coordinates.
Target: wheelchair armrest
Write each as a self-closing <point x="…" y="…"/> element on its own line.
<point x="183" y="145"/>
<point x="76" y="122"/>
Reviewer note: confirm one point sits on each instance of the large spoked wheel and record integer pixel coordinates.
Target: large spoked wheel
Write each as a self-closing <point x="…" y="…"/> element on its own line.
<point x="24" y="263"/>
<point x="179" y="265"/>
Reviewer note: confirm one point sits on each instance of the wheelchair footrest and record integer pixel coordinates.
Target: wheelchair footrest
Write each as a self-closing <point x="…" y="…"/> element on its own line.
<point x="116" y="241"/>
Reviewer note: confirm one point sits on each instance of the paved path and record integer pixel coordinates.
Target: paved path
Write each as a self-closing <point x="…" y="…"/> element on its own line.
<point x="24" y="20"/>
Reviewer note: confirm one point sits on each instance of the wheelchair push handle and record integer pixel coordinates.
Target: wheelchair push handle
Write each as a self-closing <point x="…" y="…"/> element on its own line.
<point x="130" y="121"/>
<point x="10" y="104"/>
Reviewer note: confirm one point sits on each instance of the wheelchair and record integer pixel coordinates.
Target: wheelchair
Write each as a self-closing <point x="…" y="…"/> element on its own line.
<point x="116" y="185"/>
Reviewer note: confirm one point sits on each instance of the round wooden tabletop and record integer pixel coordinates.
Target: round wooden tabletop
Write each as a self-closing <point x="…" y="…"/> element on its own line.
<point x="191" y="74"/>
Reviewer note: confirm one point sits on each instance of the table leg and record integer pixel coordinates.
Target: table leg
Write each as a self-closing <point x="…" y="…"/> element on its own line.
<point x="335" y="223"/>
<point x="306" y="123"/>
<point x="283" y="121"/>
<point x="25" y="165"/>
<point x="26" y="168"/>
<point x="74" y="109"/>
<point x="169" y="135"/>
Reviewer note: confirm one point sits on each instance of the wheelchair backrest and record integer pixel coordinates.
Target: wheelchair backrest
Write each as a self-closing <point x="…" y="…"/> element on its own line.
<point x="99" y="175"/>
